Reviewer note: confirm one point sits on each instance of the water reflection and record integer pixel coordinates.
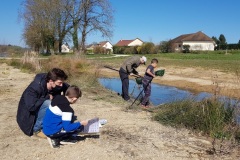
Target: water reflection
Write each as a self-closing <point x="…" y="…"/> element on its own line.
<point x="160" y="93"/>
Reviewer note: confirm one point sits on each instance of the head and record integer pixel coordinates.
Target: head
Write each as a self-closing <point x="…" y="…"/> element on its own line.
<point x="154" y="62"/>
<point x="55" y="78"/>
<point x="143" y="60"/>
<point x="73" y="93"/>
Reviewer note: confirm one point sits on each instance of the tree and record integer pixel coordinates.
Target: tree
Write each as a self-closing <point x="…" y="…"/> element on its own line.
<point x="148" y="48"/>
<point x="222" y="42"/>
<point x="96" y="16"/>
<point x="239" y="42"/>
<point x="164" y="46"/>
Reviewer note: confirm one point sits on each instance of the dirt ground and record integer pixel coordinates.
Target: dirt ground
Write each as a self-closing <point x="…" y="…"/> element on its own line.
<point x="129" y="134"/>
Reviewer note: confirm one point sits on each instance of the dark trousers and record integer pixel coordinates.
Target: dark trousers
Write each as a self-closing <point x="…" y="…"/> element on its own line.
<point x="147" y="91"/>
<point x="64" y="134"/>
<point x="125" y="84"/>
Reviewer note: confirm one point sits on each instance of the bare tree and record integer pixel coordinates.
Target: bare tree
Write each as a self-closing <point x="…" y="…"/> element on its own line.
<point x="97" y="15"/>
<point x="48" y="20"/>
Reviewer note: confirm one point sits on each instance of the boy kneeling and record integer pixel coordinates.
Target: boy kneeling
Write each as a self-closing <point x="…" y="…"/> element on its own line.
<point x="58" y="121"/>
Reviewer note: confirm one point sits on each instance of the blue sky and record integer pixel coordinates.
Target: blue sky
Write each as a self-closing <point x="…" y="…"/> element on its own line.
<point x="149" y="20"/>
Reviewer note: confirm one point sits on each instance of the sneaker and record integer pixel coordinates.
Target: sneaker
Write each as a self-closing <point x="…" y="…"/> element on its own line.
<point x="54" y="143"/>
<point x="102" y="121"/>
<point x="68" y="141"/>
<point x="40" y="134"/>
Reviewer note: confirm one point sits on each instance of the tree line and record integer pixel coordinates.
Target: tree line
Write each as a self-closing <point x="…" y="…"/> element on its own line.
<point x="50" y="23"/>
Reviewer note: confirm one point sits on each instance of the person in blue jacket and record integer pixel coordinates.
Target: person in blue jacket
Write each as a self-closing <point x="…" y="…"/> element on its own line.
<point x="36" y="99"/>
<point x="58" y="121"/>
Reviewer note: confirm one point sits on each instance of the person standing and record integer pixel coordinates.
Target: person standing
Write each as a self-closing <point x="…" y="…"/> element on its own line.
<point x="147" y="79"/>
<point x="36" y="99"/>
<point x="128" y="67"/>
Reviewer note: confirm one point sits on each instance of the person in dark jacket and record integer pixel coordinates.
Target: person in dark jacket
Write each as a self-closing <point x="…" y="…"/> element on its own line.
<point x="126" y="69"/>
<point x="36" y="99"/>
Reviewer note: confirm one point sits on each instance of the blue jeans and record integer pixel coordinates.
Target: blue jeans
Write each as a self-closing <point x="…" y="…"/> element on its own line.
<point x="40" y="115"/>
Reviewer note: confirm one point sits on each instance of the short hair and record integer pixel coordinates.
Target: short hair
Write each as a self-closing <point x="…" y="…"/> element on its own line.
<point x="154" y="60"/>
<point x="73" y="91"/>
<point x="56" y="74"/>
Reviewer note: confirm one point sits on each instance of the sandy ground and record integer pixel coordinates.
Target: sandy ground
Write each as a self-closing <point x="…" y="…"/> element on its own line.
<point x="129" y="134"/>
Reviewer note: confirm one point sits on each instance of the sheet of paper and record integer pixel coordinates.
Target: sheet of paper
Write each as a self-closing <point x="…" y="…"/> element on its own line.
<point x="92" y="126"/>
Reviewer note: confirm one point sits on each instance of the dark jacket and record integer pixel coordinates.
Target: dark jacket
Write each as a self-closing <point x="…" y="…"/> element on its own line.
<point x="31" y="100"/>
<point x="130" y="64"/>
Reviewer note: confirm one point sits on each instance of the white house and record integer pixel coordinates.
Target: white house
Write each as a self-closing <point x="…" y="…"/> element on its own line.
<point x="197" y="41"/>
<point x="65" y="48"/>
<point x="135" y="42"/>
<point x="106" y="45"/>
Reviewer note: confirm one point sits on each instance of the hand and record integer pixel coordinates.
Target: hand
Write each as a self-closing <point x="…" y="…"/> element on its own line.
<point x="84" y="123"/>
<point x="135" y="72"/>
<point x="51" y="96"/>
<point x="154" y="76"/>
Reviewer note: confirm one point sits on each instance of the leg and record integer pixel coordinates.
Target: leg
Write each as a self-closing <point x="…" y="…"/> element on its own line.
<point x="125" y="85"/>
<point x="147" y="92"/>
<point x="40" y="115"/>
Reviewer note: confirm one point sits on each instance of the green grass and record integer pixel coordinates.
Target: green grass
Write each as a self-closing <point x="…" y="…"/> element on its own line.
<point x="209" y="117"/>
<point x="212" y="60"/>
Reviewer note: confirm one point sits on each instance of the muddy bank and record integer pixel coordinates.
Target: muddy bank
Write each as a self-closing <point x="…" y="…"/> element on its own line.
<point x="193" y="79"/>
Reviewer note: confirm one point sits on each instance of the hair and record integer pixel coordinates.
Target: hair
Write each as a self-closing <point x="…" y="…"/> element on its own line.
<point x="154" y="60"/>
<point x="56" y="74"/>
<point x="73" y="91"/>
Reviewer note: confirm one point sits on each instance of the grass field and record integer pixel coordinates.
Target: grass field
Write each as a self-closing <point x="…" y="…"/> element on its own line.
<point x="214" y="60"/>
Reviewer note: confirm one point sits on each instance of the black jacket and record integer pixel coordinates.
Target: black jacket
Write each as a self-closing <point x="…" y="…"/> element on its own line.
<point x="31" y="100"/>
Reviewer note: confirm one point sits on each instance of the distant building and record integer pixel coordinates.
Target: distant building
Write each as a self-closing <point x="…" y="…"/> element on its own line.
<point x="65" y="48"/>
<point x="196" y="41"/>
<point x="106" y="45"/>
<point x="135" y="42"/>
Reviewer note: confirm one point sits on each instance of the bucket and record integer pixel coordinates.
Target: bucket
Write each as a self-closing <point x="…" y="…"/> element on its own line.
<point x="139" y="80"/>
<point x="160" y="72"/>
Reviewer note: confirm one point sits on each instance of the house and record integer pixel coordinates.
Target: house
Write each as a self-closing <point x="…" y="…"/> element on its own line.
<point x="135" y="42"/>
<point x="106" y="44"/>
<point x="65" y="48"/>
<point x="197" y="41"/>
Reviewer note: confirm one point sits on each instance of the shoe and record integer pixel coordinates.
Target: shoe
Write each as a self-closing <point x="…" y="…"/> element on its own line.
<point x="39" y="134"/>
<point x="68" y="141"/>
<point x="130" y="101"/>
<point x="102" y="121"/>
<point x="54" y="143"/>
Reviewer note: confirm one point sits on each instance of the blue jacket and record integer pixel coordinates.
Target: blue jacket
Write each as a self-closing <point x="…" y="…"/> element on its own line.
<point x="59" y="116"/>
<point x="31" y="100"/>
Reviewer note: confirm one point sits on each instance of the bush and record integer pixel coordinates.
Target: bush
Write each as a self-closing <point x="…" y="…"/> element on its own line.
<point x="186" y="48"/>
<point x="208" y="116"/>
<point x="148" y="48"/>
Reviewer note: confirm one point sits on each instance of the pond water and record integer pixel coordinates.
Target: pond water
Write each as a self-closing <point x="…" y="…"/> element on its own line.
<point x="160" y="94"/>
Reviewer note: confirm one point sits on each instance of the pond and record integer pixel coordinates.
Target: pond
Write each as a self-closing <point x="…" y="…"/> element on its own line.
<point x="160" y="94"/>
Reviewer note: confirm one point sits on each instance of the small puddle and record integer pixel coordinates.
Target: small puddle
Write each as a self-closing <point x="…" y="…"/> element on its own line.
<point x="160" y="94"/>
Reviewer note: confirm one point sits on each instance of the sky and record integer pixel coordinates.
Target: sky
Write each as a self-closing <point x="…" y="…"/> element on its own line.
<point x="150" y="20"/>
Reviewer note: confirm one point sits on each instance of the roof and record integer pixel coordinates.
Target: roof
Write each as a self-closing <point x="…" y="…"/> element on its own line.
<point x="101" y="44"/>
<point x="198" y="36"/>
<point x="125" y="42"/>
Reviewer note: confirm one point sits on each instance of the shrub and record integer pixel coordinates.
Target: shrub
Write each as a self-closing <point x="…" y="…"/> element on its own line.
<point x="148" y="48"/>
<point x="208" y="116"/>
<point x="186" y="48"/>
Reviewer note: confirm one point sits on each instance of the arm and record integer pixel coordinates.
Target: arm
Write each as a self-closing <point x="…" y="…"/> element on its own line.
<point x="150" y="73"/>
<point x="66" y="121"/>
<point x="33" y="98"/>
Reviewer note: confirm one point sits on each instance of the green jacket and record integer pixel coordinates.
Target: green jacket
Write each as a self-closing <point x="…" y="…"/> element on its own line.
<point x="131" y="63"/>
